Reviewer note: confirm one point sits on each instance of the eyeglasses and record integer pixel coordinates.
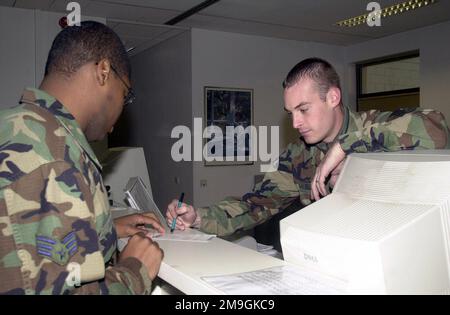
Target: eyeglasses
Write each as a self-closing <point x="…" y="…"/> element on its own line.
<point x="129" y="98"/>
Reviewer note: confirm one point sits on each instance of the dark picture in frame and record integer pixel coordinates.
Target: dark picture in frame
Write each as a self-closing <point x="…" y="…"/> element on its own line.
<point x="227" y="109"/>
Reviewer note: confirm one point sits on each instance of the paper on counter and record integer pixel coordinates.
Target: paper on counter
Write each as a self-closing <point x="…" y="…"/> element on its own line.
<point x="286" y="280"/>
<point x="184" y="236"/>
<point x="189" y="235"/>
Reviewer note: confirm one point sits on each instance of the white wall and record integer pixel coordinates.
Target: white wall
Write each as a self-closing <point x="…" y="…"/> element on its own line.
<point x="434" y="61"/>
<point x="243" y="61"/>
<point x="17" y="54"/>
<point x="162" y="79"/>
<point x="46" y="29"/>
<point x="25" y="40"/>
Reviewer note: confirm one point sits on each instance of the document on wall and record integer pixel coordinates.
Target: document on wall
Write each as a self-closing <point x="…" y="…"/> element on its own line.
<point x="280" y="280"/>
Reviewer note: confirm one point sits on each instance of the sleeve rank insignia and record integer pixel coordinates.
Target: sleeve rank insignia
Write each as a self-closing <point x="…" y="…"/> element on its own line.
<point x="58" y="251"/>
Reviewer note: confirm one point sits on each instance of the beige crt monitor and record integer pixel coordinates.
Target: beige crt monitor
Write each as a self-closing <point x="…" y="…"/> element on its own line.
<point x="119" y="165"/>
<point x="384" y="229"/>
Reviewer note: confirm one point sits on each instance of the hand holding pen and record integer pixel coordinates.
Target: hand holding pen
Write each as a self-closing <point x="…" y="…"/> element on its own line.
<point x="174" y="221"/>
<point x="180" y="215"/>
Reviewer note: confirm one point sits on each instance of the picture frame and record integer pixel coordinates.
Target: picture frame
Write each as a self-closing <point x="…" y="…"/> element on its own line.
<point x="227" y="109"/>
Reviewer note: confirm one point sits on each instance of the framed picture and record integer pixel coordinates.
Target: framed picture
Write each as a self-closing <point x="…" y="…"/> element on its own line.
<point x="228" y="120"/>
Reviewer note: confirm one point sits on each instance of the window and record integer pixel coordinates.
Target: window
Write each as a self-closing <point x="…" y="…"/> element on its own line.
<point x="389" y="83"/>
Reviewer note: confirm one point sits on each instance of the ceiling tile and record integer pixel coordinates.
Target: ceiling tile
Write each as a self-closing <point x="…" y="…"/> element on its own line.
<point x="308" y="20"/>
<point x="137" y="31"/>
<point x="306" y="14"/>
<point x="158" y="17"/>
<point x="141" y="44"/>
<point x="277" y="31"/>
<point x="128" y="12"/>
<point x="311" y="20"/>
<point x="175" y="5"/>
<point x="112" y="11"/>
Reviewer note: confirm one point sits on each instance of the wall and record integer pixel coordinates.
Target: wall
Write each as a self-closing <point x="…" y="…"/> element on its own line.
<point x="242" y="61"/>
<point x="46" y="29"/>
<point x="396" y="75"/>
<point x="17" y="54"/>
<point x="26" y="37"/>
<point x="161" y="77"/>
<point x="434" y="61"/>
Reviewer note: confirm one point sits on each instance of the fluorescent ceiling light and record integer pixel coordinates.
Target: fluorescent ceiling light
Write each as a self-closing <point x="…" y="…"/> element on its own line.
<point x="395" y="9"/>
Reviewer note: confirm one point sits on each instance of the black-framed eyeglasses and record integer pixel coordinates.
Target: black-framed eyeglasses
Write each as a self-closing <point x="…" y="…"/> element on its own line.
<point x="129" y="98"/>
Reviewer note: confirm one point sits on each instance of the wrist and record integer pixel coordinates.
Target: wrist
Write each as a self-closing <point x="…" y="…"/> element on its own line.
<point x="197" y="222"/>
<point x="142" y="283"/>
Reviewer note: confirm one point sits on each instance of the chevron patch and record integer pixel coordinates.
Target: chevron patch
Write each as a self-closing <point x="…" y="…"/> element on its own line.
<point x="58" y="251"/>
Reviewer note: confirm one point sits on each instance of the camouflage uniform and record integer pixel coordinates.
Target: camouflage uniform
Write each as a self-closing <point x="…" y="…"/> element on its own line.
<point x="371" y="131"/>
<point x="54" y="212"/>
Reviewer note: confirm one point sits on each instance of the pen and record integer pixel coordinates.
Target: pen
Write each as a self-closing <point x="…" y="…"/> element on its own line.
<point x="174" y="221"/>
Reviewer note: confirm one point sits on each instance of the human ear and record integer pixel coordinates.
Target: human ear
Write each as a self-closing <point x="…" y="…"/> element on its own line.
<point x="334" y="96"/>
<point x="103" y="70"/>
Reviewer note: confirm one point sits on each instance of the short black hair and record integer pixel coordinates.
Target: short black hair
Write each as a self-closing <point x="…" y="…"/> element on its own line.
<point x="92" y="41"/>
<point x="319" y="70"/>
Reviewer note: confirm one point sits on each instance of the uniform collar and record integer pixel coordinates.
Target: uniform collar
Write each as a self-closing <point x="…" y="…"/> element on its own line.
<point x="322" y="146"/>
<point x="44" y="100"/>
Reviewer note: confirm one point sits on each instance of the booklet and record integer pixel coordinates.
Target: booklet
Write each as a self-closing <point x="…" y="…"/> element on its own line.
<point x="139" y="198"/>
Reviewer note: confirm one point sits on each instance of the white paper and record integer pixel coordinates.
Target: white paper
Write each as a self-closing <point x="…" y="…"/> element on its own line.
<point x="189" y="235"/>
<point x="286" y="280"/>
<point x="263" y="248"/>
<point x="267" y="250"/>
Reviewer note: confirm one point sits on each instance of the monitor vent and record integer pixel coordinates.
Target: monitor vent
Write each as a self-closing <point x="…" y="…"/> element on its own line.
<point x="402" y="182"/>
<point x="368" y="220"/>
